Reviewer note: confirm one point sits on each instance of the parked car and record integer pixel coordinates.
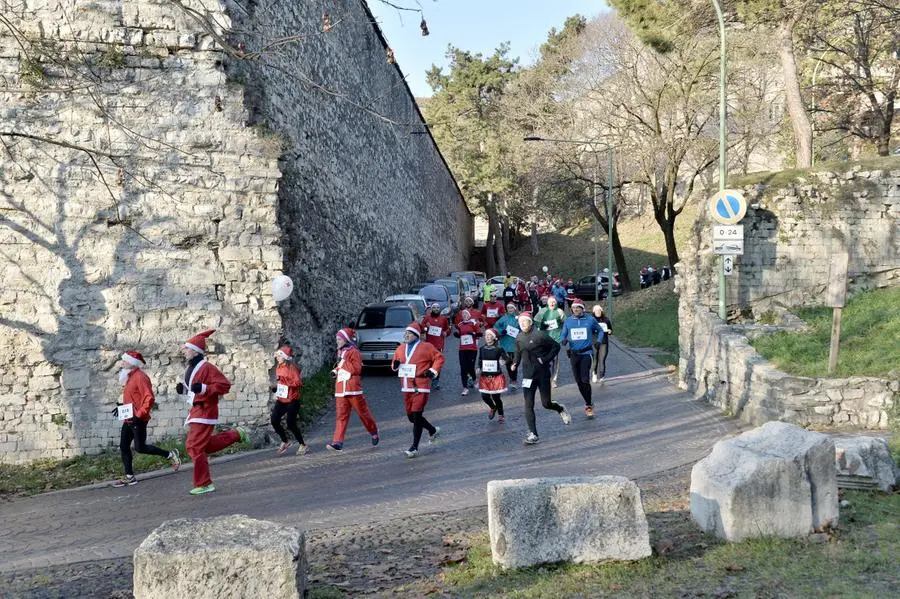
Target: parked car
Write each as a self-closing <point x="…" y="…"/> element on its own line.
<point x="379" y="331"/>
<point x="434" y="294"/>
<point x="585" y="286"/>
<point x="469" y="278"/>
<point x="457" y="290"/>
<point x="497" y="281"/>
<point x="416" y="302"/>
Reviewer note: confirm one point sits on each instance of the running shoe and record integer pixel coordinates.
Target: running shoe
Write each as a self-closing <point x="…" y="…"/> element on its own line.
<point x="335" y="446"/>
<point x="555" y="383"/>
<point x="491" y="413"/>
<point x="175" y="460"/>
<point x="593" y="378"/>
<point x="375" y="439"/>
<point x="564" y="415"/>
<point x="125" y="482"/>
<point x="436" y="386"/>
<point x="513" y="386"/>
<point x="411" y="453"/>
<point x="242" y="436"/>
<point x="471" y="383"/>
<point x="283" y="448"/>
<point x="201" y="490"/>
<point x="602" y="380"/>
<point x="589" y="411"/>
<point x="465" y="392"/>
<point x="302" y="450"/>
<point x="532" y="439"/>
<point x="432" y="439"/>
<point x="501" y="419"/>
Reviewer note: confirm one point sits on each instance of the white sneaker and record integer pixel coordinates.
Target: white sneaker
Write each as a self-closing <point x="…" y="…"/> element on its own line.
<point x="432" y="439"/>
<point x="411" y="453"/>
<point x="564" y="415"/>
<point x="593" y="378"/>
<point x="513" y="386"/>
<point x="465" y="392"/>
<point x="175" y="460"/>
<point x="555" y="383"/>
<point x="531" y="439"/>
<point x="302" y="450"/>
<point x="602" y="381"/>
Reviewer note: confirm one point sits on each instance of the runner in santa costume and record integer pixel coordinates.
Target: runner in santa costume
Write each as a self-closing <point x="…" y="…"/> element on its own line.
<point x="287" y="399"/>
<point x="491" y="381"/>
<point x="202" y="387"/>
<point x="348" y="391"/>
<point x="468" y="330"/>
<point x="417" y="363"/>
<point x="493" y="310"/>
<point x="474" y="314"/>
<point x="436" y="327"/>
<point x="138" y="394"/>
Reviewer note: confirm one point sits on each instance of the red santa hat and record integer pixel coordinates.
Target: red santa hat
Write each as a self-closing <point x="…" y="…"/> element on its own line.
<point x="198" y="341"/>
<point x="415" y="329"/>
<point x="346" y="334"/>
<point x="510" y="305"/>
<point x="134" y="358"/>
<point x="285" y="353"/>
<point x="490" y="333"/>
<point x="578" y="304"/>
<point x="525" y="314"/>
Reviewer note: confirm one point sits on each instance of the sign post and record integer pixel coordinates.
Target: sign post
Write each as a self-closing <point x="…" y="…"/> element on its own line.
<point x="836" y="298"/>
<point x="727" y="207"/>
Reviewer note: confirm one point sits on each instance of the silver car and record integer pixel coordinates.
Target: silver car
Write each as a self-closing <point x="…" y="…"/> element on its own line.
<point x="418" y="302"/>
<point x="379" y="331"/>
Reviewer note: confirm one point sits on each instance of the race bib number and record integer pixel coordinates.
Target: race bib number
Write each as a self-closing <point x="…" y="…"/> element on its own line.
<point x="407" y="371"/>
<point x="434" y="331"/>
<point x="490" y="366"/>
<point x="570" y="291"/>
<point x="343" y="375"/>
<point x="512" y="332"/>
<point x="126" y="411"/>
<point x="526" y="383"/>
<point x="466" y="340"/>
<point x="281" y="391"/>
<point x="492" y="312"/>
<point x="604" y="327"/>
<point x="579" y="334"/>
<point x="190" y="398"/>
<point x="552" y="324"/>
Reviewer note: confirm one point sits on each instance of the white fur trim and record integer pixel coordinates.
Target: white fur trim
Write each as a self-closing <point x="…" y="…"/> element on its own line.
<point x="133" y="361"/>
<point x="348" y="394"/>
<point x="414" y="331"/>
<point x="195" y="348"/>
<point x="283" y="356"/>
<point x="203" y="420"/>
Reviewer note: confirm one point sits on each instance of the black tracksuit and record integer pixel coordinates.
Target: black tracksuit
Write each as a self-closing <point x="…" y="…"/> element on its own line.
<point x="535" y="350"/>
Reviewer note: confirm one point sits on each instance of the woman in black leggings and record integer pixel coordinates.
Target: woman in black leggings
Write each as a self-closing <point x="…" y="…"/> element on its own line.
<point x="601" y="349"/>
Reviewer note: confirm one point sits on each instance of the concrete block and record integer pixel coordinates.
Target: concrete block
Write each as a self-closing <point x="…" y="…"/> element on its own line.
<point x="864" y="462"/>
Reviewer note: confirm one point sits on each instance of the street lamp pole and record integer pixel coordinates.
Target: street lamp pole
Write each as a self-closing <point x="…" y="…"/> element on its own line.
<point x="723" y="171"/>
<point x="596" y="234"/>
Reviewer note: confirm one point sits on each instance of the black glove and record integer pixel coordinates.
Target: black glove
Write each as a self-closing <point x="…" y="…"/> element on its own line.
<point x="115" y="410"/>
<point x="568" y="353"/>
<point x="430" y="374"/>
<point x="273" y="388"/>
<point x="179" y="388"/>
<point x="197" y="388"/>
<point x="334" y="373"/>
<point x="456" y="334"/>
<point x="395" y="364"/>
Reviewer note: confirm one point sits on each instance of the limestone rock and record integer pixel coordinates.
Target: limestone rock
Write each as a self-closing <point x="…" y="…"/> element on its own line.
<point x="227" y="556"/>
<point x="775" y="480"/>
<point x="864" y="462"/>
<point x="543" y="520"/>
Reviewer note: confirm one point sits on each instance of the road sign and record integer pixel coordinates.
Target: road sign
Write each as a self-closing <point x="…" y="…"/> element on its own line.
<point x="734" y="247"/>
<point x="836" y="292"/>
<point x="728" y="264"/>
<point x="727" y="232"/>
<point x="727" y="207"/>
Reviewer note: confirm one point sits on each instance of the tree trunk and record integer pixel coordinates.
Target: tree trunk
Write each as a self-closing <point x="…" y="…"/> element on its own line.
<point x="884" y="137"/>
<point x="491" y="238"/>
<point x="534" y="240"/>
<point x="504" y="230"/>
<point x="668" y="229"/>
<point x="796" y="107"/>
<point x="619" y="256"/>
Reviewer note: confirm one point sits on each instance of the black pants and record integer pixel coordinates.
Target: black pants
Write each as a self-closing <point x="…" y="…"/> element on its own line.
<point x="512" y="373"/>
<point x="581" y="370"/>
<point x="467" y="360"/>
<point x="136" y="431"/>
<point x="292" y="409"/>
<point x="541" y="383"/>
<point x="419" y="423"/>
<point x="600" y="352"/>
<point x="493" y="401"/>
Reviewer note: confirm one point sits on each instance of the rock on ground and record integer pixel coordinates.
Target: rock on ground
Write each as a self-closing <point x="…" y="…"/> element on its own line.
<point x="864" y="462"/>
<point x="775" y="480"/>
<point x="533" y="521"/>
<point x="227" y="556"/>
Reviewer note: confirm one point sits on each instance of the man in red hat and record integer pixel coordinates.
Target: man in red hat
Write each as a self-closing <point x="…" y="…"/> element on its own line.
<point x="287" y="399"/>
<point x="134" y="412"/>
<point x="203" y="386"/>
<point x="417" y="362"/>
<point x="348" y="391"/>
<point x="436" y="328"/>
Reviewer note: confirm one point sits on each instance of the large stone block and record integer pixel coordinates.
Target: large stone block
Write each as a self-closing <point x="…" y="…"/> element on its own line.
<point x="543" y="520"/>
<point x="227" y="556"/>
<point x="864" y="463"/>
<point x="775" y="480"/>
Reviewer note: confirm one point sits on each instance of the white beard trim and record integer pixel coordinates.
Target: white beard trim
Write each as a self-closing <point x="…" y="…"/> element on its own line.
<point x="123" y="375"/>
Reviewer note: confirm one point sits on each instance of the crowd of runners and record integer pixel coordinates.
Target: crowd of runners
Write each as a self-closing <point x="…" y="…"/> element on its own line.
<point x="514" y="338"/>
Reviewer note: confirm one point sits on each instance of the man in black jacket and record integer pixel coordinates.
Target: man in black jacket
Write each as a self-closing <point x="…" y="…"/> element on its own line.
<point x="535" y="350"/>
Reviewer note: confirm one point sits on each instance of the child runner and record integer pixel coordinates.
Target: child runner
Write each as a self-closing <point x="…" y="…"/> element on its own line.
<point x="468" y="330"/>
<point x="508" y="329"/>
<point x="417" y="363"/>
<point x="491" y="382"/>
<point x="287" y="399"/>
<point x="348" y="392"/>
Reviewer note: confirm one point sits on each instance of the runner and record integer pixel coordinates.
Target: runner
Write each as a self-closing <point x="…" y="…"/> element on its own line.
<point x="534" y="352"/>
<point x="138" y="396"/>
<point x="522" y="296"/>
<point x="487" y="293"/>
<point x="287" y="399"/>
<point x="491" y="382"/>
<point x="550" y="320"/>
<point x="348" y="391"/>
<point x="417" y="363"/>
<point x="203" y="386"/>
<point x="601" y="348"/>
<point x="578" y="331"/>
<point x="509" y="292"/>
<point x="436" y="328"/>
<point x="468" y="331"/>
<point x="570" y="293"/>
<point x="474" y="313"/>
<point x="508" y="329"/>
<point x="492" y="311"/>
<point x="559" y="292"/>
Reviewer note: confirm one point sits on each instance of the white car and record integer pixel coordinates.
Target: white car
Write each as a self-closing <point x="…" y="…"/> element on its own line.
<point x="416" y="302"/>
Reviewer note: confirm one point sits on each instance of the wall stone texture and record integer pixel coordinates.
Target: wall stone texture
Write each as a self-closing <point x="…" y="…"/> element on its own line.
<point x="162" y="161"/>
<point x="790" y="233"/>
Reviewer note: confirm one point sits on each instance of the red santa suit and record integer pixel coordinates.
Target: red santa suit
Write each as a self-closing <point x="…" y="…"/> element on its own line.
<point x="424" y="357"/>
<point x="436" y="328"/>
<point x="474" y="314"/>
<point x="289" y="382"/>
<point x="348" y="391"/>
<point x="139" y="393"/>
<point x="493" y="311"/>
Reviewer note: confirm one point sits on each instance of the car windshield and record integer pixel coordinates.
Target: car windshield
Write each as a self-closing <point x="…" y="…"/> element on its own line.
<point x="434" y="293"/>
<point x="385" y="318"/>
<point x="451" y="286"/>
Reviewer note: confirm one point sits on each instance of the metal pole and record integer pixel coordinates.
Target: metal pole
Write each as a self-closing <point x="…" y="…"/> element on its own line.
<point x="723" y="69"/>
<point x="596" y="235"/>
<point x="611" y="224"/>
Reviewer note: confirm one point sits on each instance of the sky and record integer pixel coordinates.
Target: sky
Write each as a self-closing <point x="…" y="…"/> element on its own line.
<point x="474" y="25"/>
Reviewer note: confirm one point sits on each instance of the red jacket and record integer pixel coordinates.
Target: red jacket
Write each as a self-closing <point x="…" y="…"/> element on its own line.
<point x="522" y="292"/>
<point x="474" y="314"/>
<point x="489" y="307"/>
<point x="425" y="357"/>
<point x="139" y="393"/>
<point x="351" y="364"/>
<point x="205" y="405"/>
<point x="288" y="374"/>
<point x="469" y="332"/>
<point x="543" y="290"/>
<point x="439" y="322"/>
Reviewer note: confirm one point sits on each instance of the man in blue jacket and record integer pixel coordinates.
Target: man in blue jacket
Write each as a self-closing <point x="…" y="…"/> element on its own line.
<point x="579" y="332"/>
<point x="559" y="292"/>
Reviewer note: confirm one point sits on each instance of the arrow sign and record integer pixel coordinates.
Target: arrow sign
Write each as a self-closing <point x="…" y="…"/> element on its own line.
<point x="727" y="207"/>
<point x="728" y="264"/>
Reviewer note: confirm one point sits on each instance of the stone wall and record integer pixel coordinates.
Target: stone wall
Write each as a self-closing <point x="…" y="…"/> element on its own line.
<point x="150" y="188"/>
